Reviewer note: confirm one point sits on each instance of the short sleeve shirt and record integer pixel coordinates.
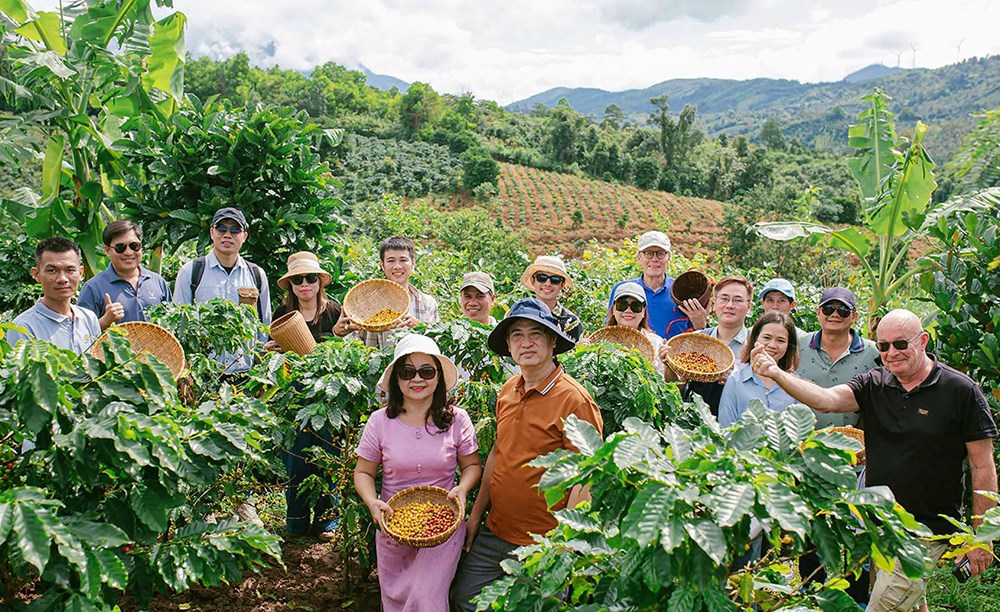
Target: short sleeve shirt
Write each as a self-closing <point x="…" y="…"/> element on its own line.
<point x="915" y="440"/>
<point x="816" y="365"/>
<point x="530" y="423"/>
<point x="75" y="333"/>
<point x="152" y="290"/>
<point x="416" y="456"/>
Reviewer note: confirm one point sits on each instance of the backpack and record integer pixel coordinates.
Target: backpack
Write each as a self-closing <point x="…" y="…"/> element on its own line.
<point x="198" y="271"/>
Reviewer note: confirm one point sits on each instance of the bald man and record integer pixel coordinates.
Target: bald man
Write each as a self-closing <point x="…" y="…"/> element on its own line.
<point x="922" y="420"/>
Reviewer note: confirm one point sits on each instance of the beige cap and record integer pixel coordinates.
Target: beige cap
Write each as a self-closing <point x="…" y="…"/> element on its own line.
<point x="479" y="280"/>
<point x="654" y="239"/>
<point x="301" y="263"/>
<point x="550" y="264"/>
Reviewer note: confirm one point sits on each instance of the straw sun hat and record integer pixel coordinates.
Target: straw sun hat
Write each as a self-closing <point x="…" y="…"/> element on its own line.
<point x="417" y="343"/>
<point x="548" y="264"/>
<point x="301" y="263"/>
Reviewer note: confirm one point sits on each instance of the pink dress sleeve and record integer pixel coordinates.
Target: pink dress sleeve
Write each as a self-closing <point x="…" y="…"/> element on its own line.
<point x="466" y="443"/>
<point x="370" y="445"/>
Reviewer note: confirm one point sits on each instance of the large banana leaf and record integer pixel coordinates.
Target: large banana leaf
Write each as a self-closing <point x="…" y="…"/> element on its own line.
<point x="875" y="139"/>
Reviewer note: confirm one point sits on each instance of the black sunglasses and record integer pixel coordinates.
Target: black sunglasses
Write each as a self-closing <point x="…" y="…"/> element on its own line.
<point x="222" y="228"/>
<point x="555" y="279"/>
<point x="843" y="311"/>
<point x="121" y="246"/>
<point x="426" y="372"/>
<point x="899" y="345"/>
<point x="634" y="306"/>
<point x="309" y="278"/>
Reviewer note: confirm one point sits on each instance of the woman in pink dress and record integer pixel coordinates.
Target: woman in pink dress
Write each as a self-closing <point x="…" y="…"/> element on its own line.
<point x="418" y="438"/>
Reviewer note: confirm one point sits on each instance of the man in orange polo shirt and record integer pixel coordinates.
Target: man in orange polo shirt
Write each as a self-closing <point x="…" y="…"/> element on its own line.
<point x="531" y="411"/>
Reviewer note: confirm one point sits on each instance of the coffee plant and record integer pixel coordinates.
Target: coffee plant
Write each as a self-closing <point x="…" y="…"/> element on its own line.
<point x="671" y="512"/>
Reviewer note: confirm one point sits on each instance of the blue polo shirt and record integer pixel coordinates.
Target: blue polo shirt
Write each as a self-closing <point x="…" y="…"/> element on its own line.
<point x="664" y="317"/>
<point x="741" y="387"/>
<point x="75" y="333"/>
<point x="152" y="290"/>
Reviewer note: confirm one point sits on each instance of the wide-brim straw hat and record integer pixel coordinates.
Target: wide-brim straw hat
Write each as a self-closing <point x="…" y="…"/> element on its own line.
<point x="549" y="264"/>
<point x="531" y="309"/>
<point x="301" y="263"/>
<point x="418" y="343"/>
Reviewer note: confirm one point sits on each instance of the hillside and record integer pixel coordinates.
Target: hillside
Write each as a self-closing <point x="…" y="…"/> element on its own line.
<point x="816" y="114"/>
<point x="542" y="203"/>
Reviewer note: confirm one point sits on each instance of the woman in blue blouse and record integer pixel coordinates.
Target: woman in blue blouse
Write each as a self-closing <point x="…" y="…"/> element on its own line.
<point x="776" y="331"/>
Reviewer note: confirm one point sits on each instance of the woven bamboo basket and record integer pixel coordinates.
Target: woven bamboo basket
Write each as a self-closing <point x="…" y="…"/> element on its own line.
<point x="626" y="336"/>
<point x="416" y="495"/>
<point x="292" y="333"/>
<point x="692" y="285"/>
<point x="151" y="339"/>
<point x="372" y="296"/>
<point x="857" y="434"/>
<point x="706" y="345"/>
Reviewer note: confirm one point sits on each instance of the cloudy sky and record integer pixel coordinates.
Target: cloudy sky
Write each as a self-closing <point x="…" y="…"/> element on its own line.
<point x="509" y="50"/>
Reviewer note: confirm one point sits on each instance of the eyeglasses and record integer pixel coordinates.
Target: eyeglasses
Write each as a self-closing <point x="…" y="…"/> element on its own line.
<point x="655" y="254"/>
<point x="842" y="310"/>
<point x="426" y="372"/>
<point x="634" y="306"/>
<point x="222" y="228"/>
<point x="121" y="246"/>
<point x="725" y="299"/>
<point x="297" y="280"/>
<point x="899" y="345"/>
<point x="555" y="279"/>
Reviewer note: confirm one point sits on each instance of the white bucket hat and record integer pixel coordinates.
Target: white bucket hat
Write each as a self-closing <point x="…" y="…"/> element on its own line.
<point x="549" y="264"/>
<point x="417" y="343"/>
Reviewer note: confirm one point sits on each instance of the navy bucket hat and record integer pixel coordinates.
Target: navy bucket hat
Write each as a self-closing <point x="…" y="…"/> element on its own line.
<point x="530" y="309"/>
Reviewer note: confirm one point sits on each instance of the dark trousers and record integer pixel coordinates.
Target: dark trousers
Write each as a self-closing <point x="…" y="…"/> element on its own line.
<point x="478" y="568"/>
<point x="300" y="517"/>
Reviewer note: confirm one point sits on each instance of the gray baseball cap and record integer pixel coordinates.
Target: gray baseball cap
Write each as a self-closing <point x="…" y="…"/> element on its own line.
<point x="230" y="213"/>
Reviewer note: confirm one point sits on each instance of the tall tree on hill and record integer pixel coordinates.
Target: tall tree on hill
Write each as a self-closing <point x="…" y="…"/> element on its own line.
<point x="771" y="136"/>
<point x="565" y="129"/>
<point x="661" y="119"/>
<point x="419" y="108"/>
<point x="614" y="118"/>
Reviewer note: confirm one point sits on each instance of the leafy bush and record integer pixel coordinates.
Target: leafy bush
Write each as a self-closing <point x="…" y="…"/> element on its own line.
<point x="671" y="512"/>
<point x="19" y="291"/>
<point x="374" y="167"/>
<point x="479" y="168"/>
<point x="260" y="160"/>
<point x="107" y="497"/>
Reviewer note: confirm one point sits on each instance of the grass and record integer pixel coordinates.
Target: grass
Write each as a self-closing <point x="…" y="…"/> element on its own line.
<point x="978" y="595"/>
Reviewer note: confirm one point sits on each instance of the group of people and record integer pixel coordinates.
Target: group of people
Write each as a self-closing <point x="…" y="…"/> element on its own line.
<point x="923" y="420"/>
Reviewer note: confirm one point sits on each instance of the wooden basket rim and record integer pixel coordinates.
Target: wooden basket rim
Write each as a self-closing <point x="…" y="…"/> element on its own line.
<point x="725" y="363"/>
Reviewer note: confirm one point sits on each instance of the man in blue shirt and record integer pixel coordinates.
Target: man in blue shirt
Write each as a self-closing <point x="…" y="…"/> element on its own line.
<point x="123" y="291"/>
<point x="666" y="318"/>
<point x="224" y="274"/>
<point x="53" y="318"/>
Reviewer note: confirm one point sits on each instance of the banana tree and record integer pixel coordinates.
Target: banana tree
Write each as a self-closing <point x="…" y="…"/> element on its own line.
<point x="896" y="187"/>
<point x="73" y="77"/>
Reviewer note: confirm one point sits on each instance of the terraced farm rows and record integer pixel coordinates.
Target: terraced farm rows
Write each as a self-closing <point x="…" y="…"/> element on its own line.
<point x="543" y="203"/>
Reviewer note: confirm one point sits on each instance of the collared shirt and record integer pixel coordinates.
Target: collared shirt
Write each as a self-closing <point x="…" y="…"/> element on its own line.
<point x="530" y="423"/>
<point x="664" y="317"/>
<point x="829" y="371"/>
<point x="75" y="333"/>
<point x="915" y="441"/>
<point x="568" y="322"/>
<point x="152" y="290"/>
<point x="423" y="308"/>
<point x="711" y="392"/>
<point x="217" y="283"/>
<point x="741" y="387"/>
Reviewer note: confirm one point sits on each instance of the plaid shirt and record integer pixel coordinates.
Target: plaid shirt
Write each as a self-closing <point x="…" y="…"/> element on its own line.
<point x="423" y="307"/>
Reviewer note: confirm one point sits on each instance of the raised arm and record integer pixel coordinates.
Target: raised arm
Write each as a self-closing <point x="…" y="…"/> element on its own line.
<point x="839" y="398"/>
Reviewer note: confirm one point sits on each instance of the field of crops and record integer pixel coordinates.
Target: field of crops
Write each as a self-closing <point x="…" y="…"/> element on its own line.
<point x="544" y="204"/>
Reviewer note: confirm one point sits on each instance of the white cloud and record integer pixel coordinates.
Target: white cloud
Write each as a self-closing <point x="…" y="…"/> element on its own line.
<point x="512" y="49"/>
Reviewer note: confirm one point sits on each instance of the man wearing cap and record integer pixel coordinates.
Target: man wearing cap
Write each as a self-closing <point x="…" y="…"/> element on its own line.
<point x="836" y="353"/>
<point x="666" y="318"/>
<point x="923" y="420"/>
<point x="476" y="297"/>
<point x="546" y="277"/>
<point x="54" y="318"/>
<point x="732" y="304"/>
<point x="779" y="294"/>
<point x="122" y="292"/>
<point x="398" y="259"/>
<point x="531" y="411"/>
<point x="222" y="273"/>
